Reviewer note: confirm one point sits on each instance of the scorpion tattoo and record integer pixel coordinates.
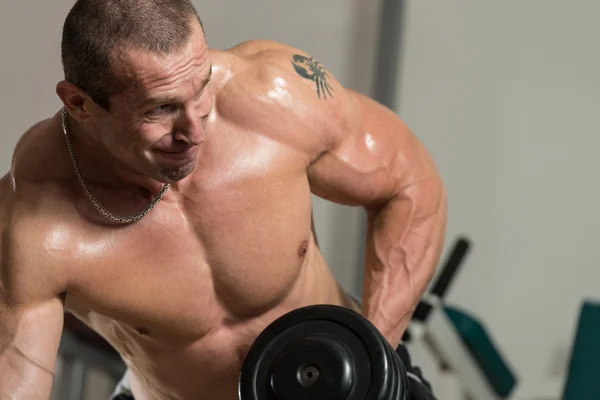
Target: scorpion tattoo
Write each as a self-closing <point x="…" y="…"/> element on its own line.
<point x="311" y="69"/>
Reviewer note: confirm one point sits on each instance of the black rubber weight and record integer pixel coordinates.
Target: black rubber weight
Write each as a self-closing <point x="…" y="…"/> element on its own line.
<point x="322" y="352"/>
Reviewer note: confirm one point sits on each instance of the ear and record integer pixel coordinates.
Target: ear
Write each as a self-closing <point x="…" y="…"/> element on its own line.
<point x="78" y="104"/>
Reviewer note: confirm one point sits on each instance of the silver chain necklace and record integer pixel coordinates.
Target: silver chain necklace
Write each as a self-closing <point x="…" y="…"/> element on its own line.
<point x="105" y="213"/>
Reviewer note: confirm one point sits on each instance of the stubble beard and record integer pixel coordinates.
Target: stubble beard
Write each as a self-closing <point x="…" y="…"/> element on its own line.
<point x="179" y="173"/>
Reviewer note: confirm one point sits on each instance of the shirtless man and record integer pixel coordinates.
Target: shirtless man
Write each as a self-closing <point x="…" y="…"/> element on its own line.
<point x="172" y="211"/>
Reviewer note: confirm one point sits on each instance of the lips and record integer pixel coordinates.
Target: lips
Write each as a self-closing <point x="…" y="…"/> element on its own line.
<point x="176" y="155"/>
<point x="175" y="149"/>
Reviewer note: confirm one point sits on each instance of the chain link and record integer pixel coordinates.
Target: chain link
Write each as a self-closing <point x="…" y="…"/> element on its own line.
<point x="103" y="211"/>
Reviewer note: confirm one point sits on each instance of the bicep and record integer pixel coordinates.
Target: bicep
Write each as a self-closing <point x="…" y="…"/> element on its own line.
<point x="29" y="340"/>
<point x="31" y="317"/>
<point x="373" y="155"/>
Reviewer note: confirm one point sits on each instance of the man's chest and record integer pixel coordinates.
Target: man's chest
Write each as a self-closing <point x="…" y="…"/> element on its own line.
<point x="232" y="252"/>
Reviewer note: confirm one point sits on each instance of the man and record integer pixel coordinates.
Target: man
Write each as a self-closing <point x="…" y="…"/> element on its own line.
<point x="169" y="205"/>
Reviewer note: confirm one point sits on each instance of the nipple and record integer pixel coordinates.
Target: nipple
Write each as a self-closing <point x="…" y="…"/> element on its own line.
<point x="303" y="249"/>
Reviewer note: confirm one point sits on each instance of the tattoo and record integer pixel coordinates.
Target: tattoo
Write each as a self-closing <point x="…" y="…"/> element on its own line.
<point x="311" y="69"/>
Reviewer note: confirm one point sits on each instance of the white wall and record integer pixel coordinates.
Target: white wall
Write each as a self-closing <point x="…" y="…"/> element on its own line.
<point x="505" y="95"/>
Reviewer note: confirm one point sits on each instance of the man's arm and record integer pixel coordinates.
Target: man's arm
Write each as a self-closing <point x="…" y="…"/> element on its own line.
<point x="378" y="163"/>
<point x="31" y="316"/>
<point x="29" y="338"/>
<point x="368" y="157"/>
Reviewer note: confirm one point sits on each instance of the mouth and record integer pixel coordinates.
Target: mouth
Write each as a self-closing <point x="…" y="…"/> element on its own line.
<point x="176" y="157"/>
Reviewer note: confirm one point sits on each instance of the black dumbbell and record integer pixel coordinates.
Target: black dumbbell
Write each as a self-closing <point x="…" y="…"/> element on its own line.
<point x="322" y="352"/>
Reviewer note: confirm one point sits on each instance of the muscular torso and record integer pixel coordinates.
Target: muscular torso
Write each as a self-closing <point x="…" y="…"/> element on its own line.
<point x="182" y="293"/>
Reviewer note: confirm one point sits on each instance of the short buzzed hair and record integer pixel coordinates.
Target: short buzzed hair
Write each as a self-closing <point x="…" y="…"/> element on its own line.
<point x="95" y="29"/>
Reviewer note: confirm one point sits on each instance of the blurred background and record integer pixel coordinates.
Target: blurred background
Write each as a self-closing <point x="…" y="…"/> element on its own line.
<point x="503" y="94"/>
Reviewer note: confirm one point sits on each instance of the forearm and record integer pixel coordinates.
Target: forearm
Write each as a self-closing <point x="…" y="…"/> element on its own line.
<point x="404" y="242"/>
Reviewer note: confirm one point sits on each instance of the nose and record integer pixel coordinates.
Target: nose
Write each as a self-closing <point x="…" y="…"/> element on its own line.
<point x="191" y="128"/>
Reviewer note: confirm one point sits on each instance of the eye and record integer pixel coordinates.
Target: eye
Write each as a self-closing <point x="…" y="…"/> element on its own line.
<point x="162" y="109"/>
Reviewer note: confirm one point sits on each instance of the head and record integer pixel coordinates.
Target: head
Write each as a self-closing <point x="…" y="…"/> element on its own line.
<point x="135" y="78"/>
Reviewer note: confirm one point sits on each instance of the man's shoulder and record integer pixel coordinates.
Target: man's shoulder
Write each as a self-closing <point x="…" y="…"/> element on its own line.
<point x="32" y="209"/>
<point x="25" y="258"/>
<point x="39" y="154"/>
<point x="254" y="50"/>
<point x="281" y="75"/>
<point x="34" y="195"/>
<point x="281" y="90"/>
<point x="264" y="61"/>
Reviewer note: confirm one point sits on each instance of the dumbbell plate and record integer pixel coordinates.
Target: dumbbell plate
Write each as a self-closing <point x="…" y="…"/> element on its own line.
<point x="321" y="352"/>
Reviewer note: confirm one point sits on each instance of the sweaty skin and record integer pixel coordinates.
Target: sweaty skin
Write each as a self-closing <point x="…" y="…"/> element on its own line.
<point x="183" y="292"/>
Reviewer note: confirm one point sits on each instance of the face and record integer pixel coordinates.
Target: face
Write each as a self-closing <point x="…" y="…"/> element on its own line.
<point x="157" y="125"/>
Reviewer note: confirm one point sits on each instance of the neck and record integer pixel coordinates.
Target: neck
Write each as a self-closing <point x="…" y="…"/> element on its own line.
<point x="98" y="165"/>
